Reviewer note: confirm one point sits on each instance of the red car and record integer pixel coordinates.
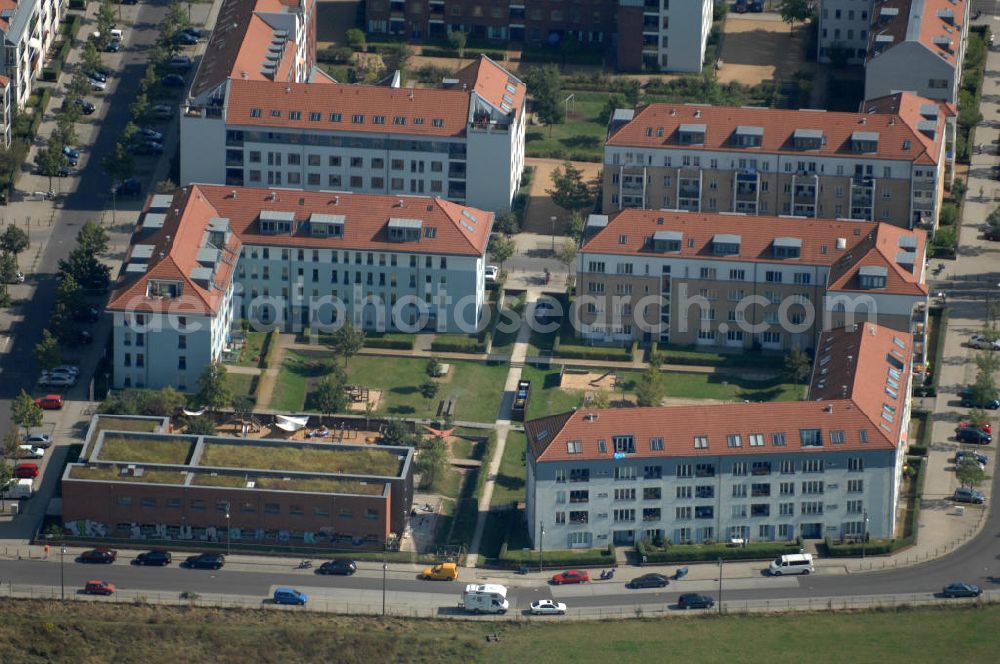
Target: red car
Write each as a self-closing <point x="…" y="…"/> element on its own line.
<point x="985" y="428"/>
<point x="26" y="471"/>
<point x="50" y="402"/>
<point x="99" y="588"/>
<point x="571" y="576"/>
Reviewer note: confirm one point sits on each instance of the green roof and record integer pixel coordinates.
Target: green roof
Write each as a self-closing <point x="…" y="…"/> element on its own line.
<point x="317" y="458"/>
<point x="113" y="472"/>
<point x="136" y="448"/>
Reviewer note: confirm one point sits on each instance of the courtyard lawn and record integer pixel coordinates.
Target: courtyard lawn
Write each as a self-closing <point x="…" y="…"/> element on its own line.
<point x="546" y="396"/>
<point x="580" y="138"/>
<point x="510" y="480"/>
<point x="250" y="353"/>
<point x="240" y="383"/>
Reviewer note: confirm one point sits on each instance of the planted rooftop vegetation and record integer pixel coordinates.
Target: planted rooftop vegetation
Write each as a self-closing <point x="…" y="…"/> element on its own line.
<point x="294" y="458"/>
<point x="311" y="484"/>
<point x="113" y="472"/>
<point x="132" y="448"/>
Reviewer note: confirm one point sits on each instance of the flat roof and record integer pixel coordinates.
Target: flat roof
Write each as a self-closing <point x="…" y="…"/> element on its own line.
<point x="298" y="456"/>
<point x="135" y="448"/>
<point x="274" y="483"/>
<point x="122" y="473"/>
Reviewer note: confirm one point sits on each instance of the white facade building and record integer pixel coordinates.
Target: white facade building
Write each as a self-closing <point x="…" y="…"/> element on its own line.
<point x="675" y="34"/>
<point x="843" y="30"/>
<point x="29" y="28"/>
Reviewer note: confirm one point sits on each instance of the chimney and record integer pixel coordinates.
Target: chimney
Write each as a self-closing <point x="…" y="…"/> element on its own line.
<point x="273" y="196"/>
<point x="828" y="408"/>
<point x="399" y="203"/>
<point x="232" y="194"/>
<point x="697" y="112"/>
<point x="673" y="112"/>
<point x="841" y="243"/>
<point x="336" y="200"/>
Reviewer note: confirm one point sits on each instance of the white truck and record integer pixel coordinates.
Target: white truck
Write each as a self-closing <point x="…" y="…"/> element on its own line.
<point x="22" y="488"/>
<point x="485" y="598"/>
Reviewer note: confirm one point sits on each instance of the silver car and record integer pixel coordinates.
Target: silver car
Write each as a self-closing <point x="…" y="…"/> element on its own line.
<point x="30" y="452"/>
<point x="42" y="440"/>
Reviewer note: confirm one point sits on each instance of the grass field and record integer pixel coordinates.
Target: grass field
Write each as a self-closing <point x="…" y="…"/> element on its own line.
<point x="42" y="631"/>
<point x="477" y="386"/>
<point x="250" y="353"/>
<point x="581" y="136"/>
<point x="510" y="480"/>
<point x="240" y="383"/>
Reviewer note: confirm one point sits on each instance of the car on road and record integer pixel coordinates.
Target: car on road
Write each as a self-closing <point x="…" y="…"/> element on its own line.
<point x="56" y="380"/>
<point x="151" y="134"/>
<point x="82" y="338"/>
<point x="85" y="106"/>
<point x="99" y="556"/>
<point x="983" y="342"/>
<point x="961" y="590"/>
<point x="492" y="272"/>
<point x="544" y="607"/>
<point x="649" y="581"/>
<point x="67" y="369"/>
<point x="571" y="576"/>
<point x="50" y="402"/>
<point x="969" y="401"/>
<point x="973" y="436"/>
<point x="156" y="557"/>
<point x="964" y="494"/>
<point x="205" y="561"/>
<point x="695" y="601"/>
<point x="86" y="315"/>
<point x="26" y="471"/>
<point x="161" y="111"/>
<point x="129" y="187"/>
<point x="285" y="595"/>
<point x="173" y="81"/>
<point x="341" y="567"/>
<point x="179" y="62"/>
<point x="99" y="588"/>
<point x="38" y="440"/>
<point x="30" y="452"/>
<point x="441" y="572"/>
<point x="981" y="459"/>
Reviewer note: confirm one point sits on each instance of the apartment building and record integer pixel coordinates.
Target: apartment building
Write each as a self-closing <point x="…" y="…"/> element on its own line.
<point x="656" y="35"/>
<point x="843" y="31"/>
<point x="6" y="113"/>
<point x="827" y="467"/>
<point x="209" y="254"/>
<point x="29" y="28"/>
<point x="261" y="114"/>
<point x="745" y="282"/>
<point x="134" y="480"/>
<point x="885" y="163"/>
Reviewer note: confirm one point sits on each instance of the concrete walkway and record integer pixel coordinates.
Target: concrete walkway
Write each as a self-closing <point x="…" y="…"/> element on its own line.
<point x="502" y="426"/>
<point x="269" y="378"/>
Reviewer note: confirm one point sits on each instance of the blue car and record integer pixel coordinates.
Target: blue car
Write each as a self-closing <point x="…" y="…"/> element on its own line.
<point x="290" y="596"/>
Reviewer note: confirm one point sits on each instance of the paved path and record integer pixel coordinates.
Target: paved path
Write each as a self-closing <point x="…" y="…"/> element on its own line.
<point x="269" y="379"/>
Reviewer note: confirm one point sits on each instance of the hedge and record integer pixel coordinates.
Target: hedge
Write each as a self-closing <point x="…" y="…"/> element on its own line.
<point x="469" y="345"/>
<point x="591" y="353"/>
<point x="488" y="451"/>
<point x="556" y="558"/>
<point x="687" y="357"/>
<point x="265" y="349"/>
<point x="393" y="344"/>
<point x="441" y="52"/>
<point x="679" y="553"/>
<point x="935" y="350"/>
<point x="77" y="4"/>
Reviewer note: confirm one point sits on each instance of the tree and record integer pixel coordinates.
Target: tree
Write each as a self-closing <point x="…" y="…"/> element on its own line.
<point x="47" y="353"/>
<point x="613" y="103"/>
<point x="431" y="463"/>
<point x="576" y="226"/>
<point x="8" y="275"/>
<point x="977" y="417"/>
<point x="137" y="109"/>
<point x="13" y="241"/>
<point x="328" y="395"/>
<point x="569" y="191"/>
<point x="200" y="426"/>
<point x="567" y="256"/>
<point x="457" y="39"/>
<point x="428" y="389"/>
<point x="984" y="389"/>
<point x="92" y="238"/>
<point x="120" y="164"/>
<point x="167" y="186"/>
<point x="545" y="85"/>
<point x="6" y="475"/>
<point x="794" y="11"/>
<point x="11" y="441"/>
<point x="356" y="39"/>
<point x="396" y="432"/>
<point x="396" y="56"/>
<point x="797" y="366"/>
<point x="649" y="389"/>
<point x="68" y="293"/>
<point x="65" y="131"/>
<point x="506" y="223"/>
<point x="25" y="413"/>
<point x="433" y="367"/>
<point x="90" y="61"/>
<point x="501" y="248"/>
<point x="969" y="473"/>
<point x="347" y="341"/>
<point x="213" y="387"/>
<point x="85" y="267"/>
<point x="61" y="323"/>
<point x="176" y="16"/>
<point x="243" y="406"/>
<point x="600" y="399"/>
<point x="105" y="22"/>
<point x="50" y="160"/>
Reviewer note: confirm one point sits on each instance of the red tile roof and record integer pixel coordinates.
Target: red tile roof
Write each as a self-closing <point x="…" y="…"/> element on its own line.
<point x="494" y="84"/>
<point x="920" y="21"/>
<point x="857" y="410"/>
<point x="657" y="126"/>
<point x="881" y="249"/>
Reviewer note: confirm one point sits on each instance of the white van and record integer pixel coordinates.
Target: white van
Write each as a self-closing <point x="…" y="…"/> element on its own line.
<point x="796" y="563"/>
<point x="485" y="598"/>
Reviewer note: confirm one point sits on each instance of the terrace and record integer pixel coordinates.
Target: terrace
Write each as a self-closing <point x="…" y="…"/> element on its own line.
<point x="300" y="458"/>
<point x="140" y="449"/>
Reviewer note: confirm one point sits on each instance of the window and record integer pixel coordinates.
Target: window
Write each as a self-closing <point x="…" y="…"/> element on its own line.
<point x="855" y="506"/>
<point x="855" y="464"/>
<point x="624" y="444"/>
<point x="197" y="505"/>
<point x="346" y="513"/>
<point x="787" y="488"/>
<point x="624" y="494"/>
<point x="651" y="514"/>
<point x="787" y="509"/>
<point x="836" y="437"/>
<point x="656" y="444"/>
<point x="681" y="513"/>
<point x="124" y="501"/>
<point x="760" y="490"/>
<point x="739" y="511"/>
<point x="733" y="440"/>
<point x="758" y="510"/>
<point x="812" y="466"/>
<point x="855" y="486"/>
<point x="579" y="475"/>
<point x="683" y="470"/>
<point x="787" y="467"/>
<point x="739" y="491"/>
<point x="811" y="437"/>
<point x="560" y="518"/>
<point x="560" y="475"/>
<point x="739" y="468"/>
<point x="812" y="487"/>
<point x="574" y="447"/>
<point x="148" y="502"/>
<point x="652" y="472"/>
<point x="700" y="442"/>
<point x="761" y="468"/>
<point x="579" y="496"/>
<point x="651" y="493"/>
<point x="704" y="491"/>
<point x="625" y="472"/>
<point x="578" y="517"/>
<point x="756" y="440"/>
<point x="704" y="512"/>
<point x="814" y="507"/>
<point x="704" y="470"/>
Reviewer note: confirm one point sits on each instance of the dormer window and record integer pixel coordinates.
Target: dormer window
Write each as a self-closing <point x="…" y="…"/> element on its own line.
<point x="726" y="245"/>
<point x="748" y="137"/>
<point x="667" y="241"/>
<point x="872" y="276"/>
<point x="274" y="222"/>
<point x="167" y="289"/>
<point x="326" y="225"/>
<point x="807" y="139"/>
<point x="864" y="141"/>
<point x="405" y="230"/>
<point x="691" y="134"/>
<point x="787" y="247"/>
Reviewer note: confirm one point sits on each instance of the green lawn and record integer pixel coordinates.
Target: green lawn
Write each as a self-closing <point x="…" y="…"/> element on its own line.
<point x="240" y="383"/>
<point x="250" y="353"/>
<point x="477" y="386"/>
<point x="463" y="448"/>
<point x="581" y="138"/>
<point x="546" y="396"/>
<point x="510" y="480"/>
<point x="505" y="335"/>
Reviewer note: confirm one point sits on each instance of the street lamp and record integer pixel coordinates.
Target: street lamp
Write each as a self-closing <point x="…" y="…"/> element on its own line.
<point x="720" y="585"/>
<point x="385" y="568"/>
<point x="62" y="572"/>
<point x="229" y="533"/>
<point x="541" y="542"/>
<point x="864" y="535"/>
<point x="553" y="219"/>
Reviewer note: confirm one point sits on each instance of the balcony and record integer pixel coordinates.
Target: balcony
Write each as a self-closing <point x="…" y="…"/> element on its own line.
<point x="805" y="196"/>
<point x="862" y="200"/>
<point x="689" y="192"/>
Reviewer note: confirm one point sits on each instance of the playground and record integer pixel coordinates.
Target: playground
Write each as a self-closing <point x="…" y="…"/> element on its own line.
<point x="584" y="379"/>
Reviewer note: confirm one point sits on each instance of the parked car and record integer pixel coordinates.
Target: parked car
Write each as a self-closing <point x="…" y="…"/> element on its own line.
<point x="30" y="452"/>
<point x="969" y="401"/>
<point x="290" y="596"/>
<point x="42" y="440"/>
<point x="983" y="342"/>
<point x="179" y="62"/>
<point x="98" y="86"/>
<point x="161" y="111"/>
<point x="99" y="556"/>
<point x="341" y="567"/>
<point x="17" y="279"/>
<point x="966" y="495"/>
<point x="26" y="471"/>
<point x="571" y="576"/>
<point x="64" y="172"/>
<point x="151" y="135"/>
<point x="99" y="588"/>
<point x="71" y="369"/>
<point x="71" y="152"/>
<point x="197" y="33"/>
<point x="985" y="426"/>
<point x="695" y="601"/>
<point x="441" y="572"/>
<point x="992" y="234"/>
<point x="129" y="187"/>
<point x="85" y="106"/>
<point x="649" y="581"/>
<point x="56" y="380"/>
<point x="82" y="338"/>
<point x="544" y="607"/>
<point x="961" y="590"/>
<point x="173" y="81"/>
<point x="492" y="272"/>
<point x="50" y="402"/>
<point x="185" y="38"/>
<point x="147" y="148"/>
<point x="86" y="315"/>
<point x="206" y="561"/>
<point x="974" y="436"/>
<point x="156" y="557"/>
<point x="97" y="75"/>
<point x="113" y="46"/>
<point x="981" y="459"/>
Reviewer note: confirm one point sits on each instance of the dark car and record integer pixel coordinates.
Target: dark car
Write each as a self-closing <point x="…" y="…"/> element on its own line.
<point x="992" y="234"/>
<point x="97" y="75"/>
<point x="342" y="567"/>
<point x="85" y="106"/>
<point x="961" y="590"/>
<point x="99" y="556"/>
<point x="82" y="338"/>
<point x="979" y="458"/>
<point x="969" y="401"/>
<point x="695" y="601"/>
<point x="649" y="581"/>
<point x="156" y="557"/>
<point x="185" y="38"/>
<point x="86" y="315"/>
<point x="64" y="172"/>
<point x="147" y="148"/>
<point x="113" y="46"/>
<point x="129" y="187"/>
<point x="964" y="494"/>
<point x="973" y="435"/>
<point x="173" y="81"/>
<point x="197" y="33"/>
<point x="206" y="561"/>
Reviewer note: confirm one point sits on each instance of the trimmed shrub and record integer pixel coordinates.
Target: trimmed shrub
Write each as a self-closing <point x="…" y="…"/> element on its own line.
<point x="458" y="345"/>
<point x="558" y="558"/>
<point x="679" y="553"/>
<point x="393" y="344"/>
